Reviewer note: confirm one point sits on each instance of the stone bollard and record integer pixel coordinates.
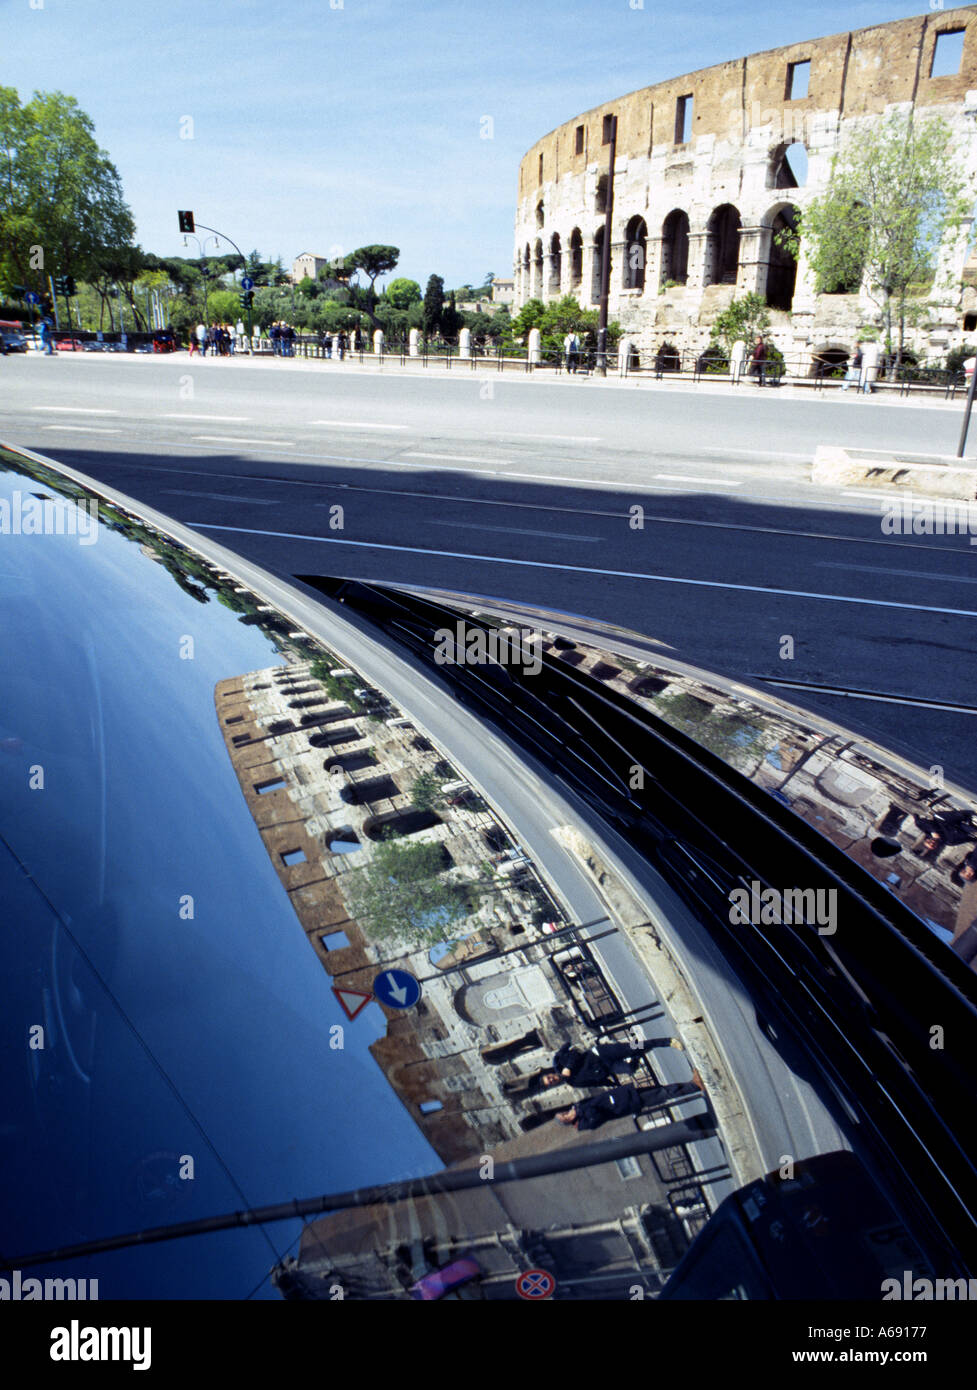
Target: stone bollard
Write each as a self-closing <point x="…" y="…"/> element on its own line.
<point x="624" y="349"/>
<point x="737" y="360"/>
<point x="465" y="343"/>
<point x="535" y="351"/>
<point x="413" y="341"/>
<point x="378" y="342"/>
<point x="870" y="366"/>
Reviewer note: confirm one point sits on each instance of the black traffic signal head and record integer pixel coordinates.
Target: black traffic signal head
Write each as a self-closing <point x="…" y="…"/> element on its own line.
<point x="246" y="299"/>
<point x="60" y="284"/>
<point x="69" y="285"/>
<point x="186" y="221"/>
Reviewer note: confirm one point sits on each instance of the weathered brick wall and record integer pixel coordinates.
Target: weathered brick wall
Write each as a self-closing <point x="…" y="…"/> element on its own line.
<point x="742" y="121"/>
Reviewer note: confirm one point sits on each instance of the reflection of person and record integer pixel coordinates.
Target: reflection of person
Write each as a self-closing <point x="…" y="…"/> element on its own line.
<point x="595" y="1111"/>
<point x="945" y="828"/>
<point x="599" y="1065"/>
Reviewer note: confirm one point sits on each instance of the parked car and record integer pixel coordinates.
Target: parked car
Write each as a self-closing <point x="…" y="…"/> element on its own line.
<point x="12" y="341"/>
<point x="70" y="345"/>
<point x="95" y="347"/>
<point x="165" y="342"/>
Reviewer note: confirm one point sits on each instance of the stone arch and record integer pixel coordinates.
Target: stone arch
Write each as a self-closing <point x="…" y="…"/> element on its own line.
<point x="576" y="258"/>
<point x="722" y="246"/>
<point x="526" y="280"/>
<point x="675" y="247"/>
<point x="538" y="269"/>
<point x="540" y="214"/>
<point x="830" y="359"/>
<point x="781" y="263"/>
<point x="556" y="263"/>
<point x="635" y="253"/>
<point x="788" y="165"/>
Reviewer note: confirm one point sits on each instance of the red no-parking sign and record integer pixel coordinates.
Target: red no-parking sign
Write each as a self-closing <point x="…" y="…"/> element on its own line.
<point x="535" y="1284"/>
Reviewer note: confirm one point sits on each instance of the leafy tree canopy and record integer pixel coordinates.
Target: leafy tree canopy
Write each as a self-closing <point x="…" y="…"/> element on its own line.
<point x="402" y="293"/>
<point x="61" y="203"/>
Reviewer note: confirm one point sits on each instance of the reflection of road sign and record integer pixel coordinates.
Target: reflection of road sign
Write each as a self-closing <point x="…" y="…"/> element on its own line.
<point x="32" y="297"/>
<point x="247" y="283"/>
<point x="351" y="1001"/>
<point x="535" y="1284"/>
<point x="398" y="989"/>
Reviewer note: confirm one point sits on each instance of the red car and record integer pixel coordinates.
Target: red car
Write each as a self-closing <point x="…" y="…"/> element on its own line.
<point x="70" y="345"/>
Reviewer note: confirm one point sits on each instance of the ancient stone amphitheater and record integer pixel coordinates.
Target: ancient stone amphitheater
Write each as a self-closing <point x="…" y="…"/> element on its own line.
<point x="710" y="165"/>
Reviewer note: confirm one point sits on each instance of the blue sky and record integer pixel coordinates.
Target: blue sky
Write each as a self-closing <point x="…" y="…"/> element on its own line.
<point x="317" y="127"/>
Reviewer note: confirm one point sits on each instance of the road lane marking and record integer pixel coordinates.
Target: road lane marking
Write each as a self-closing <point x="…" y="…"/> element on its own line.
<point x="515" y="530"/>
<point x="691" y="478"/>
<point x="86" y="429"/>
<point x="590" y="569"/>
<point x="230" y="439"/>
<point x="219" y="419"/>
<point x="451" y="458"/>
<point x="75" y="409"/>
<point x="910" y="574"/>
<point x="357" y="425"/>
<point x="572" y="438"/>
<point x="217" y="496"/>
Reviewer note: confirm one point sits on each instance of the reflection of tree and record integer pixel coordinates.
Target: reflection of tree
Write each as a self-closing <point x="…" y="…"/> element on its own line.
<point x="402" y="895"/>
<point x="731" y="738"/>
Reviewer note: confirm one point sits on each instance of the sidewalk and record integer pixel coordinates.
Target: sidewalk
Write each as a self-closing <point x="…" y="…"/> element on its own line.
<point x="481" y="370"/>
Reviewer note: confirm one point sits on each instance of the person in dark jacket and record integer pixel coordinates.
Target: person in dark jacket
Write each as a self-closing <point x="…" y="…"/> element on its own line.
<point x="595" y="1111"/>
<point x="599" y="1066"/>
<point x="758" y="363"/>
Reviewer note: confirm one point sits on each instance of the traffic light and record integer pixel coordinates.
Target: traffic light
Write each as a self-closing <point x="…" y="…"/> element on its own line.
<point x="246" y="299"/>
<point x="69" y="286"/>
<point x="186" y="221"/>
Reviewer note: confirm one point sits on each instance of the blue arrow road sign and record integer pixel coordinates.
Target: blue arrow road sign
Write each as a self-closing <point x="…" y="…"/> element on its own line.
<point x="247" y="283"/>
<point x="398" y="989"/>
<point x="32" y="297"/>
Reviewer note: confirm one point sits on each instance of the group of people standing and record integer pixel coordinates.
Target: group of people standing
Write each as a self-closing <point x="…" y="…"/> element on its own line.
<point x="599" y="1067"/>
<point x="282" y="337"/>
<point x="219" y="338"/>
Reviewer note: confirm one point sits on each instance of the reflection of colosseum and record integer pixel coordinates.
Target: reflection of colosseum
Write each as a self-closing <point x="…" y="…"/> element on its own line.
<point x="710" y="165"/>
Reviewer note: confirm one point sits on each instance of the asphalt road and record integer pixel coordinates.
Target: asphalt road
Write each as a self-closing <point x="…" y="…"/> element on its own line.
<point x="527" y="489"/>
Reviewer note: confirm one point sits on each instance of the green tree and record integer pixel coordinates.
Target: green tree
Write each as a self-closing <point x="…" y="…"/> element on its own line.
<point x="743" y="320"/>
<point x="433" y="305"/>
<point x="895" y="193"/>
<point x="59" y="191"/>
<point x="402" y="895"/>
<point x="374" y="261"/>
<point x="402" y="293"/>
<point x="426" y="793"/>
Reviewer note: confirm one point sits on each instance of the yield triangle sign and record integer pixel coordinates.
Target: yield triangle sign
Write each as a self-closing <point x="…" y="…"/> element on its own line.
<point x="351" y="1001"/>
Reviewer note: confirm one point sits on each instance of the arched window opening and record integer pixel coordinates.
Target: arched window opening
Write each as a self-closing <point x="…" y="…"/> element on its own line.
<point x="675" y="248"/>
<point x="538" y="270"/>
<point x="636" y="253"/>
<point x="556" y="264"/>
<point x="595" y="285"/>
<point x="540" y="215"/>
<point x="576" y="258"/>
<point x="782" y="266"/>
<point x="722" y="246"/>
<point x="788" y="166"/>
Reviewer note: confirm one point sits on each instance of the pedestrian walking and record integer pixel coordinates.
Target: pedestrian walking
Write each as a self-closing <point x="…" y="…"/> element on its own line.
<point x="571" y="346"/>
<point x="46" y="338"/>
<point x="342" y="342"/>
<point x="599" y="1065"/>
<point x="201" y="335"/>
<point x="758" y="362"/>
<point x="621" y="1101"/>
<point x="854" y="372"/>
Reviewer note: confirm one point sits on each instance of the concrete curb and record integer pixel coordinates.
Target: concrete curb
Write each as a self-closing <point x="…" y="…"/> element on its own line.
<point x="937" y="477"/>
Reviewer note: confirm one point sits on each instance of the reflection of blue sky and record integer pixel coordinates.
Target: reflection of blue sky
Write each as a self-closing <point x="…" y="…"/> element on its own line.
<point x="142" y="807"/>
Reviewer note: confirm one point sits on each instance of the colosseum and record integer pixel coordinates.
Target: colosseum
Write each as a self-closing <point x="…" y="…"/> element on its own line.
<point x="711" y="165"/>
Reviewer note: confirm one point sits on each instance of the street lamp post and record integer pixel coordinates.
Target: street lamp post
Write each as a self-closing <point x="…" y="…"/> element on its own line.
<point x="244" y="265"/>
<point x="204" y="272"/>
<point x="600" y="368"/>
